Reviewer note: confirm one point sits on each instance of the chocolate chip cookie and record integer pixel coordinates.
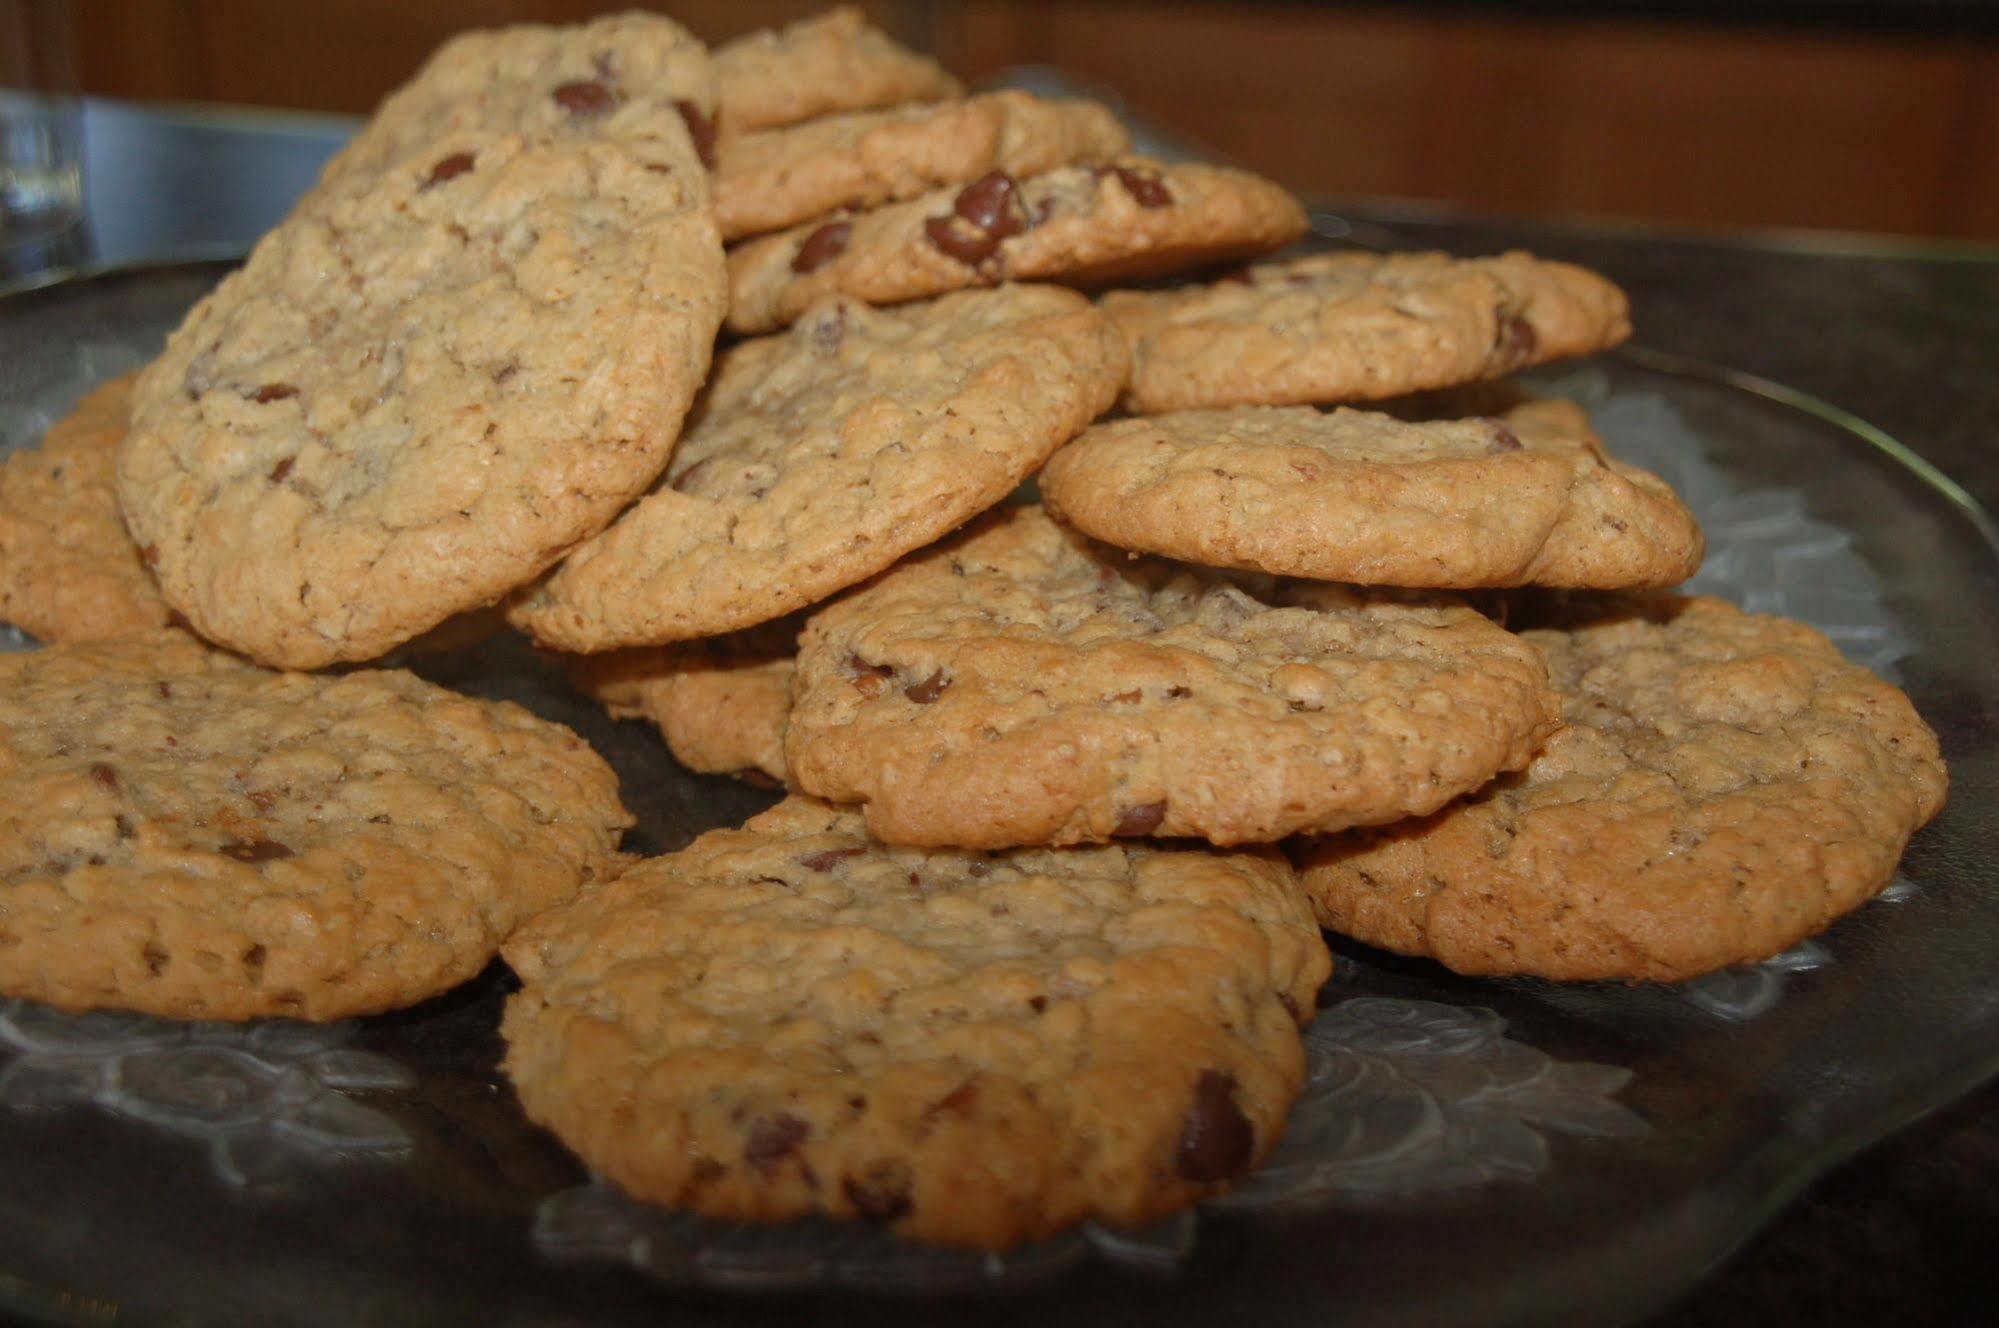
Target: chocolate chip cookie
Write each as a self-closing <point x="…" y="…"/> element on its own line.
<point x="1084" y="225"/>
<point x="68" y="570"/>
<point x="721" y="702"/>
<point x="1725" y="785"/>
<point x="190" y="836"/>
<point x="823" y="65"/>
<point x="628" y="78"/>
<point x="821" y="456"/>
<point x="1358" y="327"/>
<point x="1018" y="685"/>
<point x="422" y="390"/>
<point x="775" y="178"/>
<point x="972" y="1049"/>
<point x="1362" y="497"/>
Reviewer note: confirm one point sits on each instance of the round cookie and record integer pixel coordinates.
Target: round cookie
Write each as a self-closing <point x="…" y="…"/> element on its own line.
<point x="721" y="702"/>
<point x="1365" y="498"/>
<point x="776" y="178"/>
<point x="1018" y="685"/>
<point x="190" y="836"/>
<point x="631" y="78"/>
<point x="1358" y="327"/>
<point x="68" y="570"/>
<point x="1726" y="785"/>
<point x="972" y="1049"/>
<point x="822" y="65"/>
<point x="423" y="390"/>
<point x="1084" y="225"/>
<point x="821" y="456"/>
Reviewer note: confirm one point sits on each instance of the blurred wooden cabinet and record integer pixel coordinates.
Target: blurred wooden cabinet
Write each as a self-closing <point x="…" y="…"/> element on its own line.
<point x="1732" y="126"/>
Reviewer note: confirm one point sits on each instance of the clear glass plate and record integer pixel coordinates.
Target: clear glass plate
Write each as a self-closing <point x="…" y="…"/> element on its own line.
<point x="1466" y="1151"/>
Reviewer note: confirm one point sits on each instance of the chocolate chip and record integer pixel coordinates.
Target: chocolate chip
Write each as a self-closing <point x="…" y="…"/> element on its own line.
<point x="1217" y="1140"/>
<point x="881" y="1192"/>
<point x="1146" y="190"/>
<point x="583" y="98"/>
<point x="450" y="168"/>
<point x="992" y="203"/>
<point x="869" y="679"/>
<point x="822" y="247"/>
<point x="1038" y="1004"/>
<point x="270" y="392"/>
<point x="282" y="469"/>
<point x="701" y="129"/>
<point x="1504" y="439"/>
<point x="104" y="775"/>
<point x="256" y="850"/>
<point x="150" y="555"/>
<point x="932" y="687"/>
<point x="952" y="238"/>
<point x="959" y="1101"/>
<point x="165" y="689"/>
<point x="824" y="860"/>
<point x="1517" y="340"/>
<point x="1141" y="820"/>
<point x="772" y="1138"/>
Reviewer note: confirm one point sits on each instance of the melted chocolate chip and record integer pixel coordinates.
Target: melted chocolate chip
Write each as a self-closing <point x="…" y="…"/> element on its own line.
<point x="1141" y="820"/>
<point x="992" y="203"/>
<point x="932" y="687"/>
<point x="881" y="1192"/>
<point x="279" y="471"/>
<point x="104" y="775"/>
<point x="823" y="861"/>
<point x="772" y="1138"/>
<point x="968" y="244"/>
<point x="450" y="168"/>
<point x="1217" y="1140"/>
<point x="822" y="247"/>
<point x="257" y="850"/>
<point x="1148" y="191"/>
<point x="270" y="392"/>
<point x="583" y="98"/>
<point x="701" y="129"/>
<point x="869" y="679"/>
<point x="1504" y="439"/>
<point x="1517" y="340"/>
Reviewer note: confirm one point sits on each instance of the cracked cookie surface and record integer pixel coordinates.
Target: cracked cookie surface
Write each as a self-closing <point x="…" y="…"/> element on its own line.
<point x="973" y="1049"/>
<point x="1019" y="685"/>
<point x="68" y="569"/>
<point x="721" y="702"/>
<point x="823" y="65"/>
<point x="1085" y="225"/>
<point x="422" y="390"/>
<point x="1358" y="327"/>
<point x="776" y="178"/>
<point x="1355" y="496"/>
<point x="1726" y="785"/>
<point x="819" y="457"/>
<point x="190" y="836"/>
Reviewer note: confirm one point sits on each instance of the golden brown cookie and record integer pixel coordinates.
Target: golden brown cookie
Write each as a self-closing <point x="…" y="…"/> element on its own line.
<point x="1725" y="786"/>
<point x="1362" y="497"/>
<point x="68" y="570"/>
<point x="1358" y="327"/>
<point x="819" y="457"/>
<point x="973" y="1049"/>
<point x="190" y="836"/>
<point x="1019" y="685"/>
<point x="1082" y="225"/>
<point x="823" y="65"/>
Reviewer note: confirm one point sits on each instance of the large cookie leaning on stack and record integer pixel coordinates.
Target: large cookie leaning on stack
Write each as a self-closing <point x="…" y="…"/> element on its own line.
<point x="819" y="457"/>
<point x="68" y="570"/>
<point x="1726" y="785"/>
<point x="1358" y="327"/>
<point x="974" y="1049"/>
<point x="422" y="390"/>
<point x="1361" y="497"/>
<point x="1084" y="225"/>
<point x="190" y="836"/>
<point x="1017" y="685"/>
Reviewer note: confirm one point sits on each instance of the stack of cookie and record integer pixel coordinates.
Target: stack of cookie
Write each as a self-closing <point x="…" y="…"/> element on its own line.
<point x="1020" y="947"/>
